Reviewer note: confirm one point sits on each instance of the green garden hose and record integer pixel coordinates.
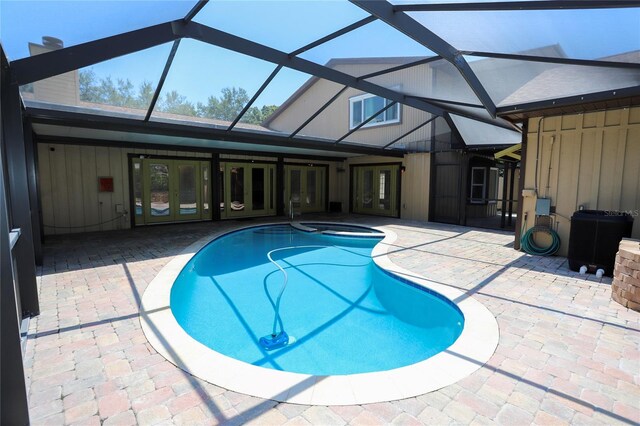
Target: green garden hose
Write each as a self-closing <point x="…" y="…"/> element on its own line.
<point x="528" y="245"/>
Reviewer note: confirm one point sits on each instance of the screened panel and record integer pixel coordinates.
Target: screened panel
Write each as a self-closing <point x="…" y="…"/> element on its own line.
<point x="282" y="25"/>
<point x="437" y="80"/>
<point x="74" y="22"/>
<point x="512" y="82"/>
<point x="579" y="34"/>
<point x="370" y="48"/>
<point x="291" y="98"/>
<point x="436" y="135"/>
<point x="401" y="2"/>
<point x="210" y="84"/>
<point x="477" y="133"/>
<point x="380" y="134"/>
<point x="118" y="86"/>
<point x="339" y="118"/>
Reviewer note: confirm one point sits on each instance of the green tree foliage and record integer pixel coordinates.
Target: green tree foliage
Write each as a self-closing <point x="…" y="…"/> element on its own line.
<point x="227" y="106"/>
<point x="122" y="92"/>
<point x="175" y="103"/>
<point x="257" y="115"/>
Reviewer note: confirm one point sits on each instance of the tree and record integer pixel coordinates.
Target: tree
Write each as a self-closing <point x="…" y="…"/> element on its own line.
<point x="257" y="115"/>
<point x="123" y="93"/>
<point x="145" y="94"/>
<point x="227" y="107"/>
<point x="88" y="86"/>
<point x="175" y="103"/>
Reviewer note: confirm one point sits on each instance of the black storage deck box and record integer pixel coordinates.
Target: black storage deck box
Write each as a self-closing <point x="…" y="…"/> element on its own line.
<point x="594" y="238"/>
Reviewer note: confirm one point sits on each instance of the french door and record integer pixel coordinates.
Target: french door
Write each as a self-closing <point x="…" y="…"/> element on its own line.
<point x="247" y="189"/>
<point x="375" y="190"/>
<point x="171" y="190"/>
<point x="305" y="188"/>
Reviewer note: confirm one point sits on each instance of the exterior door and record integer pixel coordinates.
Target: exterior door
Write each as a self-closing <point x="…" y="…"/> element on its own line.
<point x="247" y="190"/>
<point x="376" y="190"/>
<point x="167" y="190"/>
<point x="305" y="188"/>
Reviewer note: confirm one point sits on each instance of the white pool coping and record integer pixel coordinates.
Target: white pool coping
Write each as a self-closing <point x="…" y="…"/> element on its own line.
<point x="473" y="348"/>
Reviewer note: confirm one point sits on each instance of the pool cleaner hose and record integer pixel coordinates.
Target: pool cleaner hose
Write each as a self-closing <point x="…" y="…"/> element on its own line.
<point x="528" y="245"/>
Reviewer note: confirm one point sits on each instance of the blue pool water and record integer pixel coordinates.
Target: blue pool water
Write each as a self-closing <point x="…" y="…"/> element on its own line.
<point x="345" y="315"/>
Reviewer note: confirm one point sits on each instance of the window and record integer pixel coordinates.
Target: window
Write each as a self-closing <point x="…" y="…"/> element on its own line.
<point x="363" y="107"/>
<point x="478" y="183"/>
<point x="484" y="190"/>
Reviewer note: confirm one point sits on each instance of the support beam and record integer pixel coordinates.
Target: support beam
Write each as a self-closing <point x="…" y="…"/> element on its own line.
<point x="455" y="133"/>
<point x="560" y="61"/>
<point x="34" y="68"/>
<point x="446" y="101"/>
<point x="34" y="199"/>
<point x="20" y="206"/>
<point x="509" y="152"/>
<point x="194" y="11"/>
<point x="411" y="28"/>
<point x="515" y="5"/>
<point x="523" y="173"/>
<point x="401" y="67"/>
<point x="163" y="77"/>
<point x="246" y="47"/>
<point x="14" y="409"/>
<point x="333" y="35"/>
<point x="39" y="67"/>
<point x="409" y="132"/>
<point x="117" y="124"/>
<point x="319" y="111"/>
<point x="255" y="96"/>
<point x="364" y="123"/>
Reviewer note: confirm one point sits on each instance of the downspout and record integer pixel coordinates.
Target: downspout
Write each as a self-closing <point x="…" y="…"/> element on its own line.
<point x="538" y="153"/>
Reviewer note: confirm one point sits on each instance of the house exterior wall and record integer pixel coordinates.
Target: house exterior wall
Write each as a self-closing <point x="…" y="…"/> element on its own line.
<point x="590" y="160"/>
<point x="333" y="123"/>
<point x="68" y="179"/>
<point x="414" y="201"/>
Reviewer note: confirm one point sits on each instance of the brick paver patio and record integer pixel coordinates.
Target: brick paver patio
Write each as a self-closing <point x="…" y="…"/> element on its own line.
<point x="567" y="353"/>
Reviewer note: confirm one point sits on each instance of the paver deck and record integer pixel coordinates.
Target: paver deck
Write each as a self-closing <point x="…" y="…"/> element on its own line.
<point x="567" y="353"/>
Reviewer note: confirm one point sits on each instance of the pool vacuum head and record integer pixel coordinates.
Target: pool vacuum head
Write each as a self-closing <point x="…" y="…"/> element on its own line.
<point x="276" y="341"/>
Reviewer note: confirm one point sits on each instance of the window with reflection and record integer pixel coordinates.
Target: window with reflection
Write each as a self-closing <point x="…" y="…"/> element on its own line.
<point x="187" y="189"/>
<point x="159" y="190"/>
<point x="385" y="190"/>
<point x="362" y="107"/>
<point x="237" y="188"/>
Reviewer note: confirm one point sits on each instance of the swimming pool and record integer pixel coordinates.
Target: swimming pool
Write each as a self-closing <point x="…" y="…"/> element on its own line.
<point x="472" y="348"/>
<point x="342" y="313"/>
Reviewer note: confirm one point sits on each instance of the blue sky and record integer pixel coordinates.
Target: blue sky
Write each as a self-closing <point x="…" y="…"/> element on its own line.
<point x="200" y="70"/>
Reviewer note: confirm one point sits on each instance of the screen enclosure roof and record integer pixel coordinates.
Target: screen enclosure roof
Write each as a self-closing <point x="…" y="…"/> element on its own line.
<point x="267" y="76"/>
